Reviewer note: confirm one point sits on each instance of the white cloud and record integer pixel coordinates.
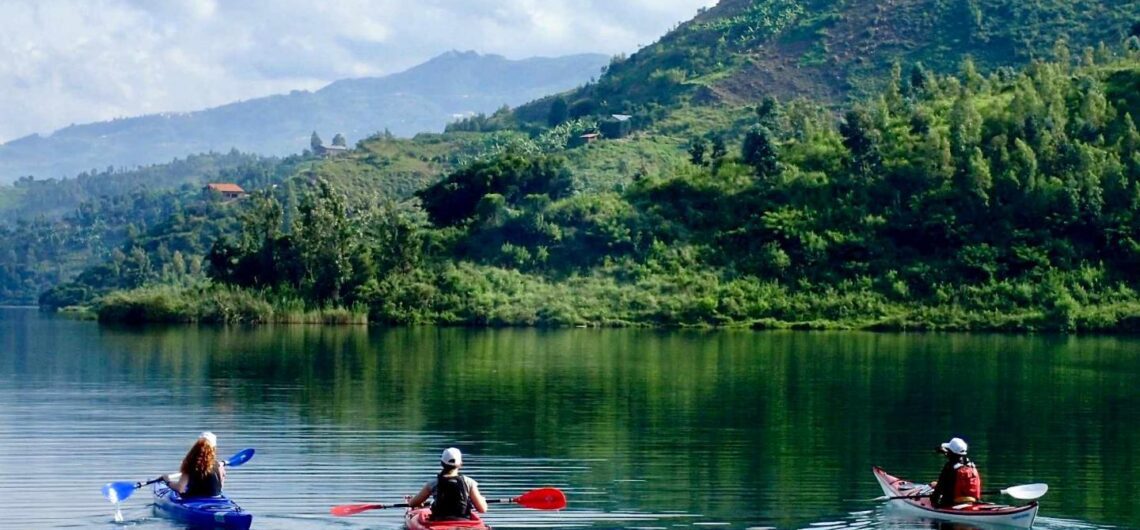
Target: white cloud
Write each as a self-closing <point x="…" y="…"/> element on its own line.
<point x="75" y="61"/>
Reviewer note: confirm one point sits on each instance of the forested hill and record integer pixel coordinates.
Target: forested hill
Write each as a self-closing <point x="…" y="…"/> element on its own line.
<point x="1008" y="202"/>
<point x="424" y="98"/>
<point x="830" y="50"/>
<point x="958" y="193"/>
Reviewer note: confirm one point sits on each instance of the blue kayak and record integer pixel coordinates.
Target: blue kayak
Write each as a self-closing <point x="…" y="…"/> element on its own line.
<point x="209" y="512"/>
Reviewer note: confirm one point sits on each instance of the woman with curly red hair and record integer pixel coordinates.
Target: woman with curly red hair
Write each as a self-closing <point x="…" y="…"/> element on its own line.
<point x="201" y="474"/>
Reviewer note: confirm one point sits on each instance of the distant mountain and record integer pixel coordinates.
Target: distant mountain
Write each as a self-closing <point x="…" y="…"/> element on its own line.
<point x="424" y="98"/>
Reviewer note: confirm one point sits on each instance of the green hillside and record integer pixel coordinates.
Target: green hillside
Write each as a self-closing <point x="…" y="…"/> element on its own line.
<point x="1006" y="202"/>
<point x="830" y="50"/>
<point x="994" y="197"/>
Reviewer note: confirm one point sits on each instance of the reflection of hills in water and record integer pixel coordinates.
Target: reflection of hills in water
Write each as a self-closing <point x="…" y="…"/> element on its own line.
<point x="883" y="518"/>
<point x="656" y="428"/>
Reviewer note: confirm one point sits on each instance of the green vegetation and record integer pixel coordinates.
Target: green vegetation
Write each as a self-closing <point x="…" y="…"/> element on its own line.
<point x="122" y="229"/>
<point x="210" y="304"/>
<point x="1006" y="202"/>
<point x="30" y="198"/>
<point x="829" y="50"/>
<point x="994" y="199"/>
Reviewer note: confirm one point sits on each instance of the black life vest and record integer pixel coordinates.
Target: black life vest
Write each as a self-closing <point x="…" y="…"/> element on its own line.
<point x="451" y="498"/>
<point x="209" y="485"/>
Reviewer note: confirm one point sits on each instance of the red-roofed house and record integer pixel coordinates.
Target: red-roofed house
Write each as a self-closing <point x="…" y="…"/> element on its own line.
<point x="226" y="190"/>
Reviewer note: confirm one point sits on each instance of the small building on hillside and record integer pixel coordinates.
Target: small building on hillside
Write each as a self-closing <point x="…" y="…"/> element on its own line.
<point x="587" y="138"/>
<point x="227" y="190"/>
<point x="329" y="151"/>
<point x="616" y="126"/>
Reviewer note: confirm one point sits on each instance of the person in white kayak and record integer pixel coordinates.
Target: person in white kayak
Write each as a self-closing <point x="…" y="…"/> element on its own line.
<point x="454" y="495"/>
<point x="202" y="474"/>
<point x="959" y="481"/>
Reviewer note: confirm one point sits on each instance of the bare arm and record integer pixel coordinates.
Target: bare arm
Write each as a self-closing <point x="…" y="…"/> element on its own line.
<point x="477" y="498"/>
<point x="180" y="484"/>
<point x="420" y="497"/>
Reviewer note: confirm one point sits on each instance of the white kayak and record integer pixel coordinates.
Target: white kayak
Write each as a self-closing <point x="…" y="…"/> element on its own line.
<point x="974" y="513"/>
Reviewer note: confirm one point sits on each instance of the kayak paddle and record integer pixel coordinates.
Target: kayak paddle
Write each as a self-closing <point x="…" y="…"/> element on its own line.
<point x="119" y="491"/>
<point x="538" y="499"/>
<point x="1025" y="492"/>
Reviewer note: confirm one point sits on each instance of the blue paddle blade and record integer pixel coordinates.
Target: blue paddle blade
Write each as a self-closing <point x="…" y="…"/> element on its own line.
<point x="240" y="458"/>
<point x="118" y="491"/>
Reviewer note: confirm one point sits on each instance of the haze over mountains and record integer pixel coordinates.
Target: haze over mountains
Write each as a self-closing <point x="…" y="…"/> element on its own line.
<point x="421" y="99"/>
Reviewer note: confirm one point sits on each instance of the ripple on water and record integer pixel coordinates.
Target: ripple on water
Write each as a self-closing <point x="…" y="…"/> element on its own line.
<point x="655" y="429"/>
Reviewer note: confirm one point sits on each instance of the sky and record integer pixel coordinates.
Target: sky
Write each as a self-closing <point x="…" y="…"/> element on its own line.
<point x="78" y="61"/>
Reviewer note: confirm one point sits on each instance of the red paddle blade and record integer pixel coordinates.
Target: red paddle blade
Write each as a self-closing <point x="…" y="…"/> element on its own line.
<point x="345" y="510"/>
<point x="543" y="499"/>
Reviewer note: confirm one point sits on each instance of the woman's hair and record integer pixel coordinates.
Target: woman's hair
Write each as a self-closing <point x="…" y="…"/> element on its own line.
<point x="200" y="460"/>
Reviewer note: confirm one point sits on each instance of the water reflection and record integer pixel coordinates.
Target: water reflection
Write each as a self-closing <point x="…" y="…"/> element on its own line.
<point x="643" y="429"/>
<point x="886" y="519"/>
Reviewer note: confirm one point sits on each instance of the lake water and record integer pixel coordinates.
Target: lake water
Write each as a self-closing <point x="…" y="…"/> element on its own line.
<point x="641" y="429"/>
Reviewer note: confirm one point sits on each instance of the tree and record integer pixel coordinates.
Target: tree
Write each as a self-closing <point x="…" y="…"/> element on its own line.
<point x="324" y="239"/>
<point x="965" y="127"/>
<point x="894" y="91"/>
<point x="1135" y="32"/>
<point x="510" y="174"/>
<point x="697" y="148"/>
<point x="582" y="107"/>
<point x="768" y="113"/>
<point x="975" y="180"/>
<point x="970" y="76"/>
<point x="1023" y="165"/>
<point x="862" y="140"/>
<point x="919" y="77"/>
<point x="759" y="151"/>
<point x="719" y="150"/>
<point x="315" y="141"/>
<point x="559" y="112"/>
<point x="339" y="140"/>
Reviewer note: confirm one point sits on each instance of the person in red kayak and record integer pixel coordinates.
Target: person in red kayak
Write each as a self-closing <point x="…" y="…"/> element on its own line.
<point x="201" y="474"/>
<point x="959" y="481"/>
<point x="454" y="495"/>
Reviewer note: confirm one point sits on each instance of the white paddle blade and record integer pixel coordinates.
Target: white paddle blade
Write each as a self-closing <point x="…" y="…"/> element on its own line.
<point x="1027" y="492"/>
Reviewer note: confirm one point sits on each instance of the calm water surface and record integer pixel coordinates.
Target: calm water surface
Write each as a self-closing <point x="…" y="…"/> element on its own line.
<point x="642" y="429"/>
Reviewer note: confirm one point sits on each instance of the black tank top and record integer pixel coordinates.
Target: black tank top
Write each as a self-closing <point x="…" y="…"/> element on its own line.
<point x="451" y="498"/>
<point x="207" y="486"/>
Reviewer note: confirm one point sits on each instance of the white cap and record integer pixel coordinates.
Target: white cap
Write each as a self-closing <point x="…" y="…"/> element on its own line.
<point x="209" y="437"/>
<point x="956" y="446"/>
<point x="452" y="457"/>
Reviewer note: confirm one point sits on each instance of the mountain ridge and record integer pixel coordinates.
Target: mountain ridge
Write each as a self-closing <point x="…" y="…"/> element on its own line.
<point x="420" y="99"/>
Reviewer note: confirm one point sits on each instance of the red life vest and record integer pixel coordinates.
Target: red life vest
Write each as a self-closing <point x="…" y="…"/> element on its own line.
<point x="968" y="486"/>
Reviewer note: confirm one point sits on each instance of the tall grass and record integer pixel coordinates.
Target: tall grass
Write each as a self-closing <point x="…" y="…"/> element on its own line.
<point x="219" y="304"/>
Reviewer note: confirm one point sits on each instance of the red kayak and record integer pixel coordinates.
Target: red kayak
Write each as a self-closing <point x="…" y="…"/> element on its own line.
<point x="420" y="519"/>
<point x="973" y="512"/>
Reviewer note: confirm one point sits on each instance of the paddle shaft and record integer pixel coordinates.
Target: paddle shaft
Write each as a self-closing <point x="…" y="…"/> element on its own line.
<point x="539" y="499"/>
<point x="120" y="491"/>
<point x="406" y="505"/>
